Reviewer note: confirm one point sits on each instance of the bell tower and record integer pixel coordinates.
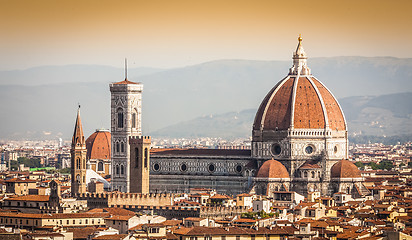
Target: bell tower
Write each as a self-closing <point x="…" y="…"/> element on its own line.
<point x="126" y="111"/>
<point x="139" y="164"/>
<point x="78" y="158"/>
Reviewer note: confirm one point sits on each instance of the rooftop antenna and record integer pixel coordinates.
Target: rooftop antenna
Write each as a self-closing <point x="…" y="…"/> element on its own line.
<point x="125" y="68"/>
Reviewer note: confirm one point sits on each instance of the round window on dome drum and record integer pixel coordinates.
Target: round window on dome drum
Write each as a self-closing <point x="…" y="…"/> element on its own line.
<point x="183" y="167"/>
<point x="276" y="149"/>
<point x="239" y="168"/>
<point x="211" y="167"/>
<point x="335" y="149"/>
<point x="156" y="167"/>
<point x="309" y="149"/>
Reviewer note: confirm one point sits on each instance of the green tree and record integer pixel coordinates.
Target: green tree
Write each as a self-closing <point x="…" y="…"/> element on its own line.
<point x="360" y="165"/>
<point x="374" y="166"/>
<point x="387" y="165"/>
<point x="29" y="162"/>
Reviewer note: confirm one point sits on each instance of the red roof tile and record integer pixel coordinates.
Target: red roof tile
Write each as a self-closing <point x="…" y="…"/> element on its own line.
<point x="345" y="169"/>
<point x="99" y="145"/>
<point x="272" y="169"/>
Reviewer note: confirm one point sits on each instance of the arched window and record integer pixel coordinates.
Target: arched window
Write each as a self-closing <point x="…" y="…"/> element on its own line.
<point x="78" y="164"/>
<point x="120" y="118"/>
<point x="100" y="166"/>
<point x="145" y="157"/>
<point x="134" y="120"/>
<point x="121" y="170"/>
<point x="348" y="190"/>
<point x="136" y="157"/>
<point x="117" y="147"/>
<point x="305" y="174"/>
<point x="313" y="174"/>
<point x="117" y="170"/>
<point x="122" y="146"/>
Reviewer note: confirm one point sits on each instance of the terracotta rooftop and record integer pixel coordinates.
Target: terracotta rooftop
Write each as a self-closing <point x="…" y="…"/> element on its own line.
<point x="172" y="222"/>
<point x="111" y="237"/>
<point x="30" y="198"/>
<point x="126" y="81"/>
<point x="194" y="219"/>
<point x="19" y="180"/>
<point x="345" y="169"/>
<point x="309" y="165"/>
<point x="275" y="111"/>
<point x="99" y="145"/>
<point x="201" y="231"/>
<point x="53" y="216"/>
<point x="119" y="218"/>
<point x="272" y="169"/>
<point x="113" y="211"/>
<point x="220" y="196"/>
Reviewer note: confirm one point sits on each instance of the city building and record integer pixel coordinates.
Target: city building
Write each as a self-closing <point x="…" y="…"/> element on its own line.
<point x="299" y="143"/>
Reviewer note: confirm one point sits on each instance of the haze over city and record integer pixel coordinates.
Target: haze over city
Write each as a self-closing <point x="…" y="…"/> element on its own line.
<point x="170" y="34"/>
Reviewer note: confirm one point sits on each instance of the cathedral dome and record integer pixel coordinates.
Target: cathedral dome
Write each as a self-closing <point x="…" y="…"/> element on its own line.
<point x="344" y="169"/>
<point x="272" y="169"/>
<point x="299" y="101"/>
<point x="99" y="145"/>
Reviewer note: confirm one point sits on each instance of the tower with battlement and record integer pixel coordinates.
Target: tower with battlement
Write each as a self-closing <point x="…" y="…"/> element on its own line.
<point x="139" y="164"/>
<point x="126" y="112"/>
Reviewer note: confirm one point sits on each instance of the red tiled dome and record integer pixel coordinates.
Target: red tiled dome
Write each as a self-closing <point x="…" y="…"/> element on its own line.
<point x="345" y="169"/>
<point x="300" y="101"/>
<point x="99" y="145"/>
<point x="272" y="169"/>
<point x="315" y="107"/>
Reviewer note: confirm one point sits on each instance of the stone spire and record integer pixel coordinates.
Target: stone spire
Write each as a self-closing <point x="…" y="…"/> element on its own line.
<point x="78" y="137"/>
<point x="299" y="61"/>
<point x="78" y="158"/>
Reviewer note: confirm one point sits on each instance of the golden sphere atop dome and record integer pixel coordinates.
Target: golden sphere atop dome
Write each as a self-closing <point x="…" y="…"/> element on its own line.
<point x="300" y="38"/>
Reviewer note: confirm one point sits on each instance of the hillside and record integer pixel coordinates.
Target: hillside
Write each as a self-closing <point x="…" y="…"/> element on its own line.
<point x="41" y="102"/>
<point x="386" y="115"/>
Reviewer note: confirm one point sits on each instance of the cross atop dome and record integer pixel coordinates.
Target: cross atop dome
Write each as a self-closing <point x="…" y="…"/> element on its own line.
<point x="299" y="61"/>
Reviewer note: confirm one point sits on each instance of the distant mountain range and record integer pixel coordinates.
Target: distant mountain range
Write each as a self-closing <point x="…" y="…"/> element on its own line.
<point x="385" y="115"/>
<point x="41" y="102"/>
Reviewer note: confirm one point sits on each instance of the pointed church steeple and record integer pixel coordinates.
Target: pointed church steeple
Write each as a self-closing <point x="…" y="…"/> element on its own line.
<point x="78" y="136"/>
<point x="78" y="158"/>
<point x="299" y="61"/>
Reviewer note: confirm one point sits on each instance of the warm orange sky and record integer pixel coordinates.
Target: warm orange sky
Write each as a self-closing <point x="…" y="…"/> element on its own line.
<point x="173" y="33"/>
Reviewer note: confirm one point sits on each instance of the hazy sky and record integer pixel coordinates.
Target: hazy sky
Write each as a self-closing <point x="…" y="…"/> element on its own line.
<point x="174" y="33"/>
